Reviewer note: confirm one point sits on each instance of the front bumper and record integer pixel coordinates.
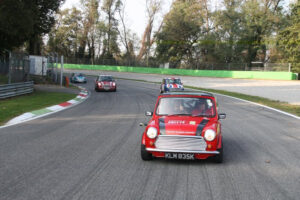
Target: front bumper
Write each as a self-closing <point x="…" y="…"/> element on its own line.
<point x="181" y="144"/>
<point x="79" y="81"/>
<point x="107" y="88"/>
<point x="180" y="151"/>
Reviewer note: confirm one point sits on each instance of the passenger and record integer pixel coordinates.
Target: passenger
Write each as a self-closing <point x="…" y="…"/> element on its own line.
<point x="201" y="108"/>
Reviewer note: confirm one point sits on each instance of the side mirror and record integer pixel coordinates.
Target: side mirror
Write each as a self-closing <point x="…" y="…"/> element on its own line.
<point x="148" y="113"/>
<point x="222" y="116"/>
<point x="143" y="124"/>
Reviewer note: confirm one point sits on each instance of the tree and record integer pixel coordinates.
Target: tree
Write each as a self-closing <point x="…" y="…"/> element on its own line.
<point x="90" y="25"/>
<point x="227" y="28"/>
<point x="64" y="36"/>
<point x="26" y="20"/>
<point x="43" y="15"/>
<point x="260" y="19"/>
<point x="289" y="39"/>
<point x="16" y="23"/>
<point x="110" y="7"/>
<point x="181" y="31"/>
<point x="153" y="7"/>
<point x="126" y="37"/>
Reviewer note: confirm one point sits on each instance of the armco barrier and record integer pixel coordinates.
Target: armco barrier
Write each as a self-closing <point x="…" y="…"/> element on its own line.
<point x="187" y="72"/>
<point x="15" y="89"/>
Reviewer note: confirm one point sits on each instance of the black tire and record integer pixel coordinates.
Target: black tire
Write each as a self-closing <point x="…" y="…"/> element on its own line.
<point x="146" y="156"/>
<point x="219" y="157"/>
<point x="96" y="90"/>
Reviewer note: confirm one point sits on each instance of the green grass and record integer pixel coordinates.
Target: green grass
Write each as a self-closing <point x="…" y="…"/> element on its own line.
<point x="15" y="106"/>
<point x="284" y="106"/>
<point x="3" y="79"/>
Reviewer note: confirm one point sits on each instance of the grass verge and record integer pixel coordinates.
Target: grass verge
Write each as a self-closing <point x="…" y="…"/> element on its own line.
<point x="283" y="106"/>
<point x="13" y="107"/>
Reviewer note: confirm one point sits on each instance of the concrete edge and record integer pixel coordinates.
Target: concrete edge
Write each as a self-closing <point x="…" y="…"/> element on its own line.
<point x="83" y="95"/>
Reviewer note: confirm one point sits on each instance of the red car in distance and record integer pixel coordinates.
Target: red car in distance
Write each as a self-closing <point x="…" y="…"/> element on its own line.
<point x="105" y="83"/>
<point x="184" y="125"/>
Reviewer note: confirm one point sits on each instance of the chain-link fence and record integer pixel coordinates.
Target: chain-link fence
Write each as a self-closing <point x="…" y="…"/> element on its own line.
<point x="15" y="66"/>
<point x="55" y="72"/>
<point x="113" y="62"/>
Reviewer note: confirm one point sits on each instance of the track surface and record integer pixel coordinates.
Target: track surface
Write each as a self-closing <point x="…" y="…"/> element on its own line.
<point x="92" y="151"/>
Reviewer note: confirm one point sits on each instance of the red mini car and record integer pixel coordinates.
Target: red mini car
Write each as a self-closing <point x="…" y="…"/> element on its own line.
<point x="105" y="83"/>
<point x="184" y="125"/>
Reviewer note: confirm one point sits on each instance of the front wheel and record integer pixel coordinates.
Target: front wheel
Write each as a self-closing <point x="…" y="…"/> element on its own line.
<point x="219" y="157"/>
<point x="146" y="156"/>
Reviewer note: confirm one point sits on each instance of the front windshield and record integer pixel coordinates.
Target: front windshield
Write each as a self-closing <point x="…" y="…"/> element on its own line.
<point x="173" y="81"/>
<point x="106" y="78"/>
<point x="186" y="106"/>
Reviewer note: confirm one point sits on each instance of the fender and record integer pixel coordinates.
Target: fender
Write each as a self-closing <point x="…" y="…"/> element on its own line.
<point x="144" y="139"/>
<point x="219" y="146"/>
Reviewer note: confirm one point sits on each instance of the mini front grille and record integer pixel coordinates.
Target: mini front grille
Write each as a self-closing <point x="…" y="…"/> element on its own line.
<point x="176" y="142"/>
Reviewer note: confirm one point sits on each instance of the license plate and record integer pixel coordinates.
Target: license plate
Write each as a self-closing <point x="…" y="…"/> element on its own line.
<point x="181" y="156"/>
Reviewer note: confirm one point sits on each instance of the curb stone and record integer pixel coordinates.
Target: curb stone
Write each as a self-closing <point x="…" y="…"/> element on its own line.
<point x="81" y="97"/>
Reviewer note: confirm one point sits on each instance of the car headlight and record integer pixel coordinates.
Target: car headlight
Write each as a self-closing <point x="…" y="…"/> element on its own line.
<point x="114" y="84"/>
<point x="152" y="132"/>
<point x="209" y="135"/>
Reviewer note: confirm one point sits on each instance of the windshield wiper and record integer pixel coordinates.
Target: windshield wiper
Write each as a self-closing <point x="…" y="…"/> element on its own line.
<point x="182" y="114"/>
<point x="201" y="115"/>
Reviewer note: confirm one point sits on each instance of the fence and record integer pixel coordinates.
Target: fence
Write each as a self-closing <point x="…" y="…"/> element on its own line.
<point x="11" y="90"/>
<point x="54" y="72"/>
<point x="255" y="66"/>
<point x="188" y="72"/>
<point x="15" y="66"/>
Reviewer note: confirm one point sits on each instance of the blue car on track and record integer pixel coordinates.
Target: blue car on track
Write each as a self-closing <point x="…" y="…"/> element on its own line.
<point x="171" y="85"/>
<point x="78" y="78"/>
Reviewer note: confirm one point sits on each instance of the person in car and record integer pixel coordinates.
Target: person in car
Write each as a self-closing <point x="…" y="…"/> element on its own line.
<point x="202" y="108"/>
<point x="179" y="107"/>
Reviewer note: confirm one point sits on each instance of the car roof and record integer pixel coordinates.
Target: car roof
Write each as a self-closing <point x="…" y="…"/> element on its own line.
<point x="192" y="93"/>
<point x="171" y="78"/>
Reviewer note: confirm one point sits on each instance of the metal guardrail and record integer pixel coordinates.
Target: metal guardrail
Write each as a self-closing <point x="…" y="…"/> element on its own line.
<point x="15" y="89"/>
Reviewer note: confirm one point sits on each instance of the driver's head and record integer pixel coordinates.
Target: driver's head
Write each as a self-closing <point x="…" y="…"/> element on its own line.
<point x="178" y="104"/>
<point x="202" y="105"/>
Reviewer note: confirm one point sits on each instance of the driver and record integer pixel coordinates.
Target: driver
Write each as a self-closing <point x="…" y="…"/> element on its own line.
<point x="179" y="107"/>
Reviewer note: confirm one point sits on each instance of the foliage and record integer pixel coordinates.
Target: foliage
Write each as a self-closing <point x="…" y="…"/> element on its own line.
<point x="25" y="20"/>
<point x="180" y="32"/>
<point x="289" y="39"/>
<point x="16" y="23"/>
<point x="64" y="37"/>
<point x="238" y="33"/>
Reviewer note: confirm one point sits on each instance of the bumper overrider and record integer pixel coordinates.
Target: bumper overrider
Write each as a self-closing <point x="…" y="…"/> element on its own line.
<point x="181" y="144"/>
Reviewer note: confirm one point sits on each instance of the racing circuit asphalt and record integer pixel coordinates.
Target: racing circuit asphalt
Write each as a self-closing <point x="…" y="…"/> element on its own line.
<point x="92" y="151"/>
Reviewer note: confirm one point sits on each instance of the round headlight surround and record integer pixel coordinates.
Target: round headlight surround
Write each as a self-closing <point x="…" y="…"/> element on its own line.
<point x="152" y="132"/>
<point x="210" y="135"/>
